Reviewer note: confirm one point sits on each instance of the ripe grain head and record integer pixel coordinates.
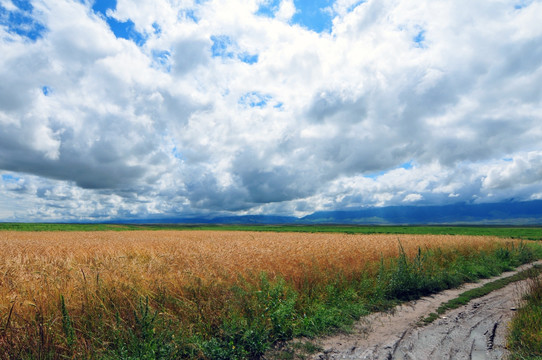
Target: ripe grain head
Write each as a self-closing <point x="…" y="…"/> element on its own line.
<point x="36" y="267"/>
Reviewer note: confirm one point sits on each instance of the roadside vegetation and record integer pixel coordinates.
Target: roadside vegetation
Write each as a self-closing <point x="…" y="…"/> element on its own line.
<point x="525" y="337"/>
<point x="465" y="297"/>
<point x="217" y="295"/>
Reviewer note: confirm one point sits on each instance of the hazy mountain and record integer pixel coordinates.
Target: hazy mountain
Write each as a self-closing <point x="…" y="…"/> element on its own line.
<point x="506" y="213"/>
<point x="513" y="213"/>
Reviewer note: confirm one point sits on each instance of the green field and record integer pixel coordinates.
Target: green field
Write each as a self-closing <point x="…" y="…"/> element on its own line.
<point x="63" y="227"/>
<point x="526" y="233"/>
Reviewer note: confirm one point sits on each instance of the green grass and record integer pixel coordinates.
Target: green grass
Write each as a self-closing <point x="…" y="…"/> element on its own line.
<point x="65" y="227"/>
<point x="465" y="297"/>
<point x="526" y="233"/>
<point x="525" y="336"/>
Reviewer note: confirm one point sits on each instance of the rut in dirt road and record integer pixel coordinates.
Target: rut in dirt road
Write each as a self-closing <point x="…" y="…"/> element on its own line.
<point x="475" y="331"/>
<point x="467" y="333"/>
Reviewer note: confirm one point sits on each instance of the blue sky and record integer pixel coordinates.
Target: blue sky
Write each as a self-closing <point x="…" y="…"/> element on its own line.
<point x="19" y="20"/>
<point x="122" y="109"/>
<point x="315" y="15"/>
<point x="121" y="29"/>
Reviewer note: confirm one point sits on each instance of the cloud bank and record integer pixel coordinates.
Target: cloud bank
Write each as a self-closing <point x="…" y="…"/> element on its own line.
<point x="120" y="109"/>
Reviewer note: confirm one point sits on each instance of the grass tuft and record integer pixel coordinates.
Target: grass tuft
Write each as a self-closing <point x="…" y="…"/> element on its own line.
<point x="525" y="336"/>
<point x="67" y="327"/>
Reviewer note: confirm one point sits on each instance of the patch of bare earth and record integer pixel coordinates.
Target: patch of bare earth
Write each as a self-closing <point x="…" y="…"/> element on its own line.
<point x="474" y="331"/>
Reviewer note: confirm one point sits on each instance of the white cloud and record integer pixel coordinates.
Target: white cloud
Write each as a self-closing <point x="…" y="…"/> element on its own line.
<point x="8" y="5"/>
<point x="281" y="119"/>
<point x="286" y="10"/>
<point x="523" y="169"/>
<point x="412" y="198"/>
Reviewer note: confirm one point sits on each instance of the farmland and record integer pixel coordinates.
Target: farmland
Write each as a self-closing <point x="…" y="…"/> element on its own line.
<point x="216" y="294"/>
<point x="514" y="232"/>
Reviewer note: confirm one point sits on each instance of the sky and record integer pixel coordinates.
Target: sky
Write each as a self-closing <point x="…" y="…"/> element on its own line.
<point x="147" y="108"/>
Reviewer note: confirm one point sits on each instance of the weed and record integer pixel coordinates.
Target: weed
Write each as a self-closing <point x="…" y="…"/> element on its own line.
<point x="67" y="326"/>
<point x="525" y="336"/>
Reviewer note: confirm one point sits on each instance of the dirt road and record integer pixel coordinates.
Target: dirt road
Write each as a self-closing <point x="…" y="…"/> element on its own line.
<point x="474" y="331"/>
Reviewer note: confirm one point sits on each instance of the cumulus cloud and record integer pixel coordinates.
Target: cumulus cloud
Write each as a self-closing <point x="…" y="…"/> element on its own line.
<point x="412" y="198"/>
<point x="149" y="108"/>
<point x="286" y="10"/>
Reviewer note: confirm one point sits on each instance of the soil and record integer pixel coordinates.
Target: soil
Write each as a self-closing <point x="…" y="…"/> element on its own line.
<point x="474" y="331"/>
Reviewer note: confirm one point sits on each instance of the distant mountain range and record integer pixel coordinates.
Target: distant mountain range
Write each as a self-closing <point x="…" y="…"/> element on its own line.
<point x="504" y="213"/>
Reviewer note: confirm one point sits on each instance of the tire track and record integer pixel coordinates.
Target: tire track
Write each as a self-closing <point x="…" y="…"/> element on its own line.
<point x="476" y="331"/>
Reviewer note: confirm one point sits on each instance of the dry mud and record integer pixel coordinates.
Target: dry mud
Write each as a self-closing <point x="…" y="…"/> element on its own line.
<point x="474" y="331"/>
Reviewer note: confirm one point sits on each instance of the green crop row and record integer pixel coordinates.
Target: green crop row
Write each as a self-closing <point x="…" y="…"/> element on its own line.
<point x="526" y="233"/>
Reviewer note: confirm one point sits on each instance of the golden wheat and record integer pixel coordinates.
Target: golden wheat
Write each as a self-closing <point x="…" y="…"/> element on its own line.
<point x="36" y="266"/>
<point x="99" y="278"/>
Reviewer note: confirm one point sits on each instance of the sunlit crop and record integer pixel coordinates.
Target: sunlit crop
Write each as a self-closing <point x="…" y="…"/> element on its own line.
<point x="55" y="286"/>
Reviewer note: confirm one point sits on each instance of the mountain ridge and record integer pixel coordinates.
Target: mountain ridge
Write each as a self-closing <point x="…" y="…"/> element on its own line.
<point x="504" y="213"/>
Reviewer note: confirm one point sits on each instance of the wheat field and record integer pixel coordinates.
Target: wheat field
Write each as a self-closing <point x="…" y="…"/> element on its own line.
<point x="50" y="279"/>
<point x="35" y="266"/>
